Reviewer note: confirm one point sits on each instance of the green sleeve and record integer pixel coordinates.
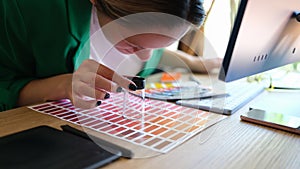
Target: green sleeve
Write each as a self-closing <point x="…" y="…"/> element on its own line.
<point x="10" y="82"/>
<point x="10" y="92"/>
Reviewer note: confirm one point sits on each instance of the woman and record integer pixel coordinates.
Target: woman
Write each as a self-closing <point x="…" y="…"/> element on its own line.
<point x="42" y="40"/>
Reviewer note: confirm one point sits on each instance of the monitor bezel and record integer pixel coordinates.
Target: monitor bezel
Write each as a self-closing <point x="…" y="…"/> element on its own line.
<point x="232" y="39"/>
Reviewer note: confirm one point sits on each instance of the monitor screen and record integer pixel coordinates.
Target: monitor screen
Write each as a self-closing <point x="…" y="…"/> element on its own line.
<point x="265" y="35"/>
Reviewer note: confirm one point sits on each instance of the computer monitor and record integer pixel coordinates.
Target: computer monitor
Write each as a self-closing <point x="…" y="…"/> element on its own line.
<point x="265" y="35"/>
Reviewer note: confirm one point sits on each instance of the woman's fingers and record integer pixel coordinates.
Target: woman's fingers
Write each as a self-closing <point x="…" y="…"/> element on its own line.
<point x="102" y="77"/>
<point x="81" y="89"/>
<point x="84" y="103"/>
<point x="103" y="83"/>
<point x="92" y="82"/>
<point x="111" y="75"/>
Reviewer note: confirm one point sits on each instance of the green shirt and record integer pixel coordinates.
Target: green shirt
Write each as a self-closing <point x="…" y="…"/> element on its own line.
<point x="40" y="39"/>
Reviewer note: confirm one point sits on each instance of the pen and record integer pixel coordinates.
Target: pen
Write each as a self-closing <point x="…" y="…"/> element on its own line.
<point x="125" y="152"/>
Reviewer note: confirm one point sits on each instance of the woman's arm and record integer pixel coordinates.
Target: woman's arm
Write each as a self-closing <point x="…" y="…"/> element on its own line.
<point x="196" y="64"/>
<point x="85" y="87"/>
<point x="53" y="88"/>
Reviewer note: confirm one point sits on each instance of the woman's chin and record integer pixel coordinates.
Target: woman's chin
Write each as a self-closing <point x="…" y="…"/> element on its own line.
<point x="144" y="55"/>
<point x="144" y="59"/>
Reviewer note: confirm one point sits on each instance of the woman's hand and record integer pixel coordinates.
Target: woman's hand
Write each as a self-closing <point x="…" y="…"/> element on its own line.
<point x="92" y="82"/>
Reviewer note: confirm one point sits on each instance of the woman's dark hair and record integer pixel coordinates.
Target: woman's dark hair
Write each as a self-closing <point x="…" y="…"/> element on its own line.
<point x="190" y="10"/>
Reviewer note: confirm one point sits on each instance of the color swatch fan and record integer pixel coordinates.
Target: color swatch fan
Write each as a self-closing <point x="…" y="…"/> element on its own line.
<point x="177" y="91"/>
<point x="155" y="125"/>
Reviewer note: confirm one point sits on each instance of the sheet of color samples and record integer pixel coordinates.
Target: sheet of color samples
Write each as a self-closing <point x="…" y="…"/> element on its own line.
<point x="161" y="127"/>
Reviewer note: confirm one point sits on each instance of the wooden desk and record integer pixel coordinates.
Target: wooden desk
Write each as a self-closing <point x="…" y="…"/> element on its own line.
<point x="230" y="143"/>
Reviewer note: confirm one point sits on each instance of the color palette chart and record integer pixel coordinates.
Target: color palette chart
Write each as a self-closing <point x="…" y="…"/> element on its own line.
<point x="155" y="125"/>
<point x="177" y="91"/>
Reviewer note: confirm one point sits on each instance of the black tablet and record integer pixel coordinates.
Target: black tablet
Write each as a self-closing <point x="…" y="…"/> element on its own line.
<point x="46" y="147"/>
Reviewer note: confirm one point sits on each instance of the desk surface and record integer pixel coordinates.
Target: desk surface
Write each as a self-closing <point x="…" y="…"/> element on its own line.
<point x="230" y="143"/>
